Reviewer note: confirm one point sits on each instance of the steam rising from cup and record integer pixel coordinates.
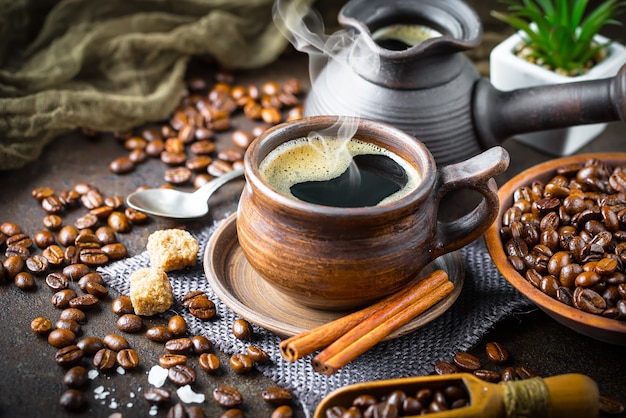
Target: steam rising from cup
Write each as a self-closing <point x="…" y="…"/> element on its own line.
<point x="304" y="27"/>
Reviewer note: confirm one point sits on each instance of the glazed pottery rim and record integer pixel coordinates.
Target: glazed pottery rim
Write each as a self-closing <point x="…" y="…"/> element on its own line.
<point x="585" y="323"/>
<point x="464" y="33"/>
<point x="377" y="132"/>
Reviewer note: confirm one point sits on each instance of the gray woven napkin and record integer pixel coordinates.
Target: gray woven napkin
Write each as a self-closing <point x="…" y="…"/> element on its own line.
<point x="485" y="299"/>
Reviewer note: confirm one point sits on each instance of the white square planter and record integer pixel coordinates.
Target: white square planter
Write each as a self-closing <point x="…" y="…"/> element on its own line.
<point x="509" y="72"/>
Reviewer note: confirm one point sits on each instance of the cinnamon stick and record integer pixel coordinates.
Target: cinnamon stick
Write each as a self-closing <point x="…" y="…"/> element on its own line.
<point x="373" y="330"/>
<point x="317" y="338"/>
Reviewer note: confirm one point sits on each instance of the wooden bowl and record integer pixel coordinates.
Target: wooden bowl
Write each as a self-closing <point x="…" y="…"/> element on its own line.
<point x="594" y="326"/>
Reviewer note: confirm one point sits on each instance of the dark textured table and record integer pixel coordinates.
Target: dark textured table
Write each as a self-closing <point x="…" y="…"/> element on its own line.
<point x="31" y="382"/>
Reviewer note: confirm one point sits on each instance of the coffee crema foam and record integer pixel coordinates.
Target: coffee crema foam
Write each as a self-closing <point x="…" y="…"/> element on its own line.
<point x="322" y="159"/>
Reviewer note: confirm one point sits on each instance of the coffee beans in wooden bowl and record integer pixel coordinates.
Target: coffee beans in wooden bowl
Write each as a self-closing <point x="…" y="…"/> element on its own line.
<point x="560" y="239"/>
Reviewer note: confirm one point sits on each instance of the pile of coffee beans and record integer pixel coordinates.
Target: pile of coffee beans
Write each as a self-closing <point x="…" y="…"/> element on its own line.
<point x="567" y="237"/>
<point x="443" y="396"/>
<point x="185" y="143"/>
<point x="63" y="257"/>
<point x="398" y="403"/>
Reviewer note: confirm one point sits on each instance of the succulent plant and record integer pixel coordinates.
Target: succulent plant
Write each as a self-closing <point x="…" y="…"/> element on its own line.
<point x="560" y="34"/>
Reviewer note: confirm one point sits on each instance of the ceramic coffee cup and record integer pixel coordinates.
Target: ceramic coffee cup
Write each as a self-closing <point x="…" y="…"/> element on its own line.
<point x="335" y="257"/>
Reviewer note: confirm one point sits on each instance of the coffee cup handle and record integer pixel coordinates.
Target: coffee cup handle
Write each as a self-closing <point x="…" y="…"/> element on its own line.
<point x="477" y="174"/>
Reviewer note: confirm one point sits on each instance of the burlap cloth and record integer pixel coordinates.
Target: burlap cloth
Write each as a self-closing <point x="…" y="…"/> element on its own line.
<point x="485" y="299"/>
<point x="113" y="65"/>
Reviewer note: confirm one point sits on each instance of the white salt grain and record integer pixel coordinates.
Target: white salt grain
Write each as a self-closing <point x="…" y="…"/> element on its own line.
<point x="187" y="395"/>
<point x="92" y="374"/>
<point x="157" y="376"/>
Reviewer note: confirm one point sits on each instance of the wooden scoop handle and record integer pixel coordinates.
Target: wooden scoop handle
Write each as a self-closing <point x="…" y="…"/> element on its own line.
<point x="573" y="395"/>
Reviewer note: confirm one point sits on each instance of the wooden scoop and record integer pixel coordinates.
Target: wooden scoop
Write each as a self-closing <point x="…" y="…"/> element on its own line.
<point x="567" y="395"/>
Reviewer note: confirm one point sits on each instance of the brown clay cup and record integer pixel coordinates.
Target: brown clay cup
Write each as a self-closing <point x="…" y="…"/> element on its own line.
<point x="337" y="258"/>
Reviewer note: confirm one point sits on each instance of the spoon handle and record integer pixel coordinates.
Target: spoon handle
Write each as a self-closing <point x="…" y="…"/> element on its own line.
<point x="209" y="188"/>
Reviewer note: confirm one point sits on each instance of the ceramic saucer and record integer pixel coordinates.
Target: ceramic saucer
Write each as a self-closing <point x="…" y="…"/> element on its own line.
<point x="237" y="285"/>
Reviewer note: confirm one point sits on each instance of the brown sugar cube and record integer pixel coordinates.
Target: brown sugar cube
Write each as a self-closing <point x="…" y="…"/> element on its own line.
<point x="172" y="249"/>
<point x="150" y="291"/>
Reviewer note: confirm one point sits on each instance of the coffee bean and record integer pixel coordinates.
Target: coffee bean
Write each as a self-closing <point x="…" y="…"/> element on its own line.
<point x="203" y="147"/>
<point x="21" y="239"/>
<point x="194" y="411"/>
<point x="159" y="333"/>
<point x="227" y="396"/>
<point x="177" y="175"/>
<point x="610" y="405"/>
<point x="115" y="342"/>
<point x="135" y="217"/>
<point x="177" y="325"/>
<point x="52" y="222"/>
<point x="496" y="353"/>
<point x="277" y="396"/>
<point x="96" y="289"/>
<point x="130" y="323"/>
<point x="487" y="375"/>
<point x="62" y="298"/>
<point x="54" y="254"/>
<point x="57" y="281"/>
<point x="101" y="212"/>
<point x="88" y="220"/>
<point x="209" y="362"/>
<point x="76" y="377"/>
<point x="524" y="372"/>
<point x="74" y="315"/>
<point x="60" y="338"/>
<point x="52" y="204"/>
<point x="444" y="367"/>
<point x="94" y="277"/>
<point x="13" y="265"/>
<point x="92" y="199"/>
<point x="104" y="359"/>
<point x="41" y="325"/>
<point x="508" y="374"/>
<point x="257" y="354"/>
<point x="201" y="308"/>
<point x="283" y="411"/>
<point x="115" y="251"/>
<point x="93" y="256"/>
<point x="10" y="228"/>
<point x="241" y="363"/>
<point x="466" y="361"/>
<point x="24" y="281"/>
<point x="181" y="375"/>
<point x="68" y="356"/>
<point x="179" y="345"/>
<point x="169" y="360"/>
<point x="177" y="411"/>
<point x="73" y="400"/>
<point x="157" y="396"/>
<point x="242" y="329"/>
<point x="84" y="302"/>
<point x="127" y="359"/>
<point x="44" y="239"/>
<point x="119" y="222"/>
<point x="76" y="271"/>
<point x="67" y="235"/>
<point x="90" y="345"/>
<point x="68" y="324"/>
<point x="122" y="305"/>
<point x="201" y="344"/>
<point x="37" y="264"/>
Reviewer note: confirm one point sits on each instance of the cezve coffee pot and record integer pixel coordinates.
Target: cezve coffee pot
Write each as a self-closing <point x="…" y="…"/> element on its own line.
<point x="407" y="67"/>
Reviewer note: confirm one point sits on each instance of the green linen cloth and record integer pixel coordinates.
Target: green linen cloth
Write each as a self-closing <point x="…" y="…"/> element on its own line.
<point x="115" y="64"/>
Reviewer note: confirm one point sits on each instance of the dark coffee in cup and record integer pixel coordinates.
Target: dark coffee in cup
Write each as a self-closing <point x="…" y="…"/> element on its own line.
<point x="335" y="172"/>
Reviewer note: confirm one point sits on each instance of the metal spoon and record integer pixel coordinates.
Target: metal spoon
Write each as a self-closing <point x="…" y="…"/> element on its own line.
<point x="172" y="203"/>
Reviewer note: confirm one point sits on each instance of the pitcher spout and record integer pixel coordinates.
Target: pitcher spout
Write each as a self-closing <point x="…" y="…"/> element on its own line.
<point x="415" y="43"/>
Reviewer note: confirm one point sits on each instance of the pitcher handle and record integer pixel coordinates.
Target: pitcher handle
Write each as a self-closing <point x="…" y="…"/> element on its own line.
<point x="477" y="174"/>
